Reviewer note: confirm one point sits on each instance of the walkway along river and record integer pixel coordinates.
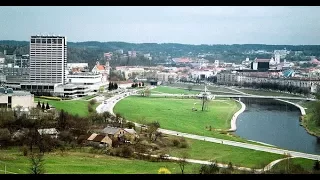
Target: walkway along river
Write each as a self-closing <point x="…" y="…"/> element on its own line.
<point x="276" y="123"/>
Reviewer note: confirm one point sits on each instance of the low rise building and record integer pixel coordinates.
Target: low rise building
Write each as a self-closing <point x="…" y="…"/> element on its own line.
<point x="12" y="99"/>
<point x="91" y="80"/>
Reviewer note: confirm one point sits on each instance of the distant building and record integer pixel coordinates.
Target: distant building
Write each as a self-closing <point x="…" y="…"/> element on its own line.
<point x="22" y="61"/>
<point x="103" y="70"/>
<point x="120" y="51"/>
<point x="52" y="132"/>
<point x="91" y="80"/>
<point x="48" y="64"/>
<point x="77" y="67"/>
<point x="48" y="59"/>
<point x="261" y="64"/>
<point x="132" y="54"/>
<point x="216" y="63"/>
<point x="277" y="58"/>
<point x="12" y="99"/>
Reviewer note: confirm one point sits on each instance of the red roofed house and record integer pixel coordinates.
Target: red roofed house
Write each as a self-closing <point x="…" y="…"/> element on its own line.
<point x="182" y="60"/>
<point x="101" y="69"/>
<point x="315" y="61"/>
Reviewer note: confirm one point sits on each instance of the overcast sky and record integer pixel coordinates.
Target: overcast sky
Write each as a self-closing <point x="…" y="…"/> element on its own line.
<point x="162" y="24"/>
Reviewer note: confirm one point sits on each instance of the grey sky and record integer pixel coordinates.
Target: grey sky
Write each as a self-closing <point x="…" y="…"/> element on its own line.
<point x="189" y="25"/>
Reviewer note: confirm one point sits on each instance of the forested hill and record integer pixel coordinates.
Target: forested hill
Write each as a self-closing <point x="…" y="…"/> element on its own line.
<point x="91" y="51"/>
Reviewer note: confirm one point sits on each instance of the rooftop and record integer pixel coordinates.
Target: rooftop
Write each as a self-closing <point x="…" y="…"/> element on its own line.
<point x="262" y="60"/>
<point x="110" y="130"/>
<point x="9" y="91"/>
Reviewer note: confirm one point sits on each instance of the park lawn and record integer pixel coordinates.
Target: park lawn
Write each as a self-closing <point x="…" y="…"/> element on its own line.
<point x="201" y="86"/>
<point x="89" y="97"/>
<point x="79" y="107"/>
<point x="306" y="164"/>
<point x="307" y="121"/>
<point x="76" y="162"/>
<point x="176" y="114"/>
<point x="203" y="150"/>
<point x="266" y="93"/>
<point x="170" y="90"/>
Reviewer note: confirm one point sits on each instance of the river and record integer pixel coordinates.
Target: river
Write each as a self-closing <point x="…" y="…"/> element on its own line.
<point x="276" y="123"/>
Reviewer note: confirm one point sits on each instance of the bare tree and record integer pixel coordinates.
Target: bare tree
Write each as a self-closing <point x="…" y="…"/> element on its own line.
<point x="182" y="161"/>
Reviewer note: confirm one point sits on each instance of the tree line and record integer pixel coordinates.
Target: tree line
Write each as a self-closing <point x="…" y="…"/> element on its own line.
<point x="112" y="86"/>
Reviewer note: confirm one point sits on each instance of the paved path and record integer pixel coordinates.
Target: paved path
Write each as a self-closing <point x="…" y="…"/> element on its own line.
<point x="221" y="165"/>
<point x="302" y="110"/>
<point x="109" y="107"/>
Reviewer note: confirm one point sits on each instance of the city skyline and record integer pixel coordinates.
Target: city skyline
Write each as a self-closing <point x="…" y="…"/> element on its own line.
<point x="186" y="25"/>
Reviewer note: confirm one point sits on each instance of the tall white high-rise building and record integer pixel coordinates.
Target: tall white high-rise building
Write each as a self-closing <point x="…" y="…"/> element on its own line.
<point x="48" y="59"/>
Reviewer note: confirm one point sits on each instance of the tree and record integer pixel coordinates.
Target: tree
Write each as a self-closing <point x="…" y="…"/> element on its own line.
<point x="101" y="89"/>
<point x="142" y="84"/>
<point x="316" y="166"/>
<point x="62" y="120"/>
<point x="152" y="129"/>
<point x="209" y="169"/>
<point x="90" y="108"/>
<point x="39" y="105"/>
<point x="43" y="106"/>
<point x="47" y="107"/>
<point x="115" y="86"/>
<point x="4" y="137"/>
<point x="230" y="166"/>
<point x="190" y="87"/>
<point x="164" y="171"/>
<point x="182" y="161"/>
<point x="130" y="125"/>
<point x="139" y="84"/>
<point x="92" y="102"/>
<point x="109" y="86"/>
<point x="37" y="164"/>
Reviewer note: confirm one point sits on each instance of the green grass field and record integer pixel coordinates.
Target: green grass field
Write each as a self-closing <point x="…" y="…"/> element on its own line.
<point x="79" y="107"/>
<point x="170" y="90"/>
<point x="76" y="162"/>
<point x="176" y="114"/>
<point x="203" y="150"/>
<point x="266" y="93"/>
<point x="307" y="164"/>
<point x="89" y="97"/>
<point x="211" y="88"/>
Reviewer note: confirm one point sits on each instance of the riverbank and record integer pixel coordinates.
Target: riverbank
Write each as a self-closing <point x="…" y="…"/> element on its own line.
<point x="306" y="121"/>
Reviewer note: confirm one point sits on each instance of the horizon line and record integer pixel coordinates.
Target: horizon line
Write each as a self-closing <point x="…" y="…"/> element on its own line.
<point x="226" y="44"/>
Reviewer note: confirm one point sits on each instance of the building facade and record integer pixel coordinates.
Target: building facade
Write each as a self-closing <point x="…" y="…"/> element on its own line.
<point x="12" y="99"/>
<point x="48" y="59"/>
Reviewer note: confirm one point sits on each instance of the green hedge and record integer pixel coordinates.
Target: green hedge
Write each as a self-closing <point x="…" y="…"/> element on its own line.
<point x="51" y="98"/>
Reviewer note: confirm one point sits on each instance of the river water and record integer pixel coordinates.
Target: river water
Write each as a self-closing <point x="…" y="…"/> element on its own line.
<point x="275" y="123"/>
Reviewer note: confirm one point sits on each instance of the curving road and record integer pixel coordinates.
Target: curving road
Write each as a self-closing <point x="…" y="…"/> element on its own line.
<point x="112" y="101"/>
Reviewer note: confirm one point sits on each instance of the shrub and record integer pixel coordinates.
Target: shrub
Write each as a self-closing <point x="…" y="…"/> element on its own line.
<point x="176" y="142"/>
<point x="93" y="101"/>
<point x="90" y="109"/>
<point x="127" y="151"/>
<point x="25" y="150"/>
<point x="51" y="98"/>
<point x="164" y="171"/>
<point x="184" y="145"/>
<point x="118" y="151"/>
